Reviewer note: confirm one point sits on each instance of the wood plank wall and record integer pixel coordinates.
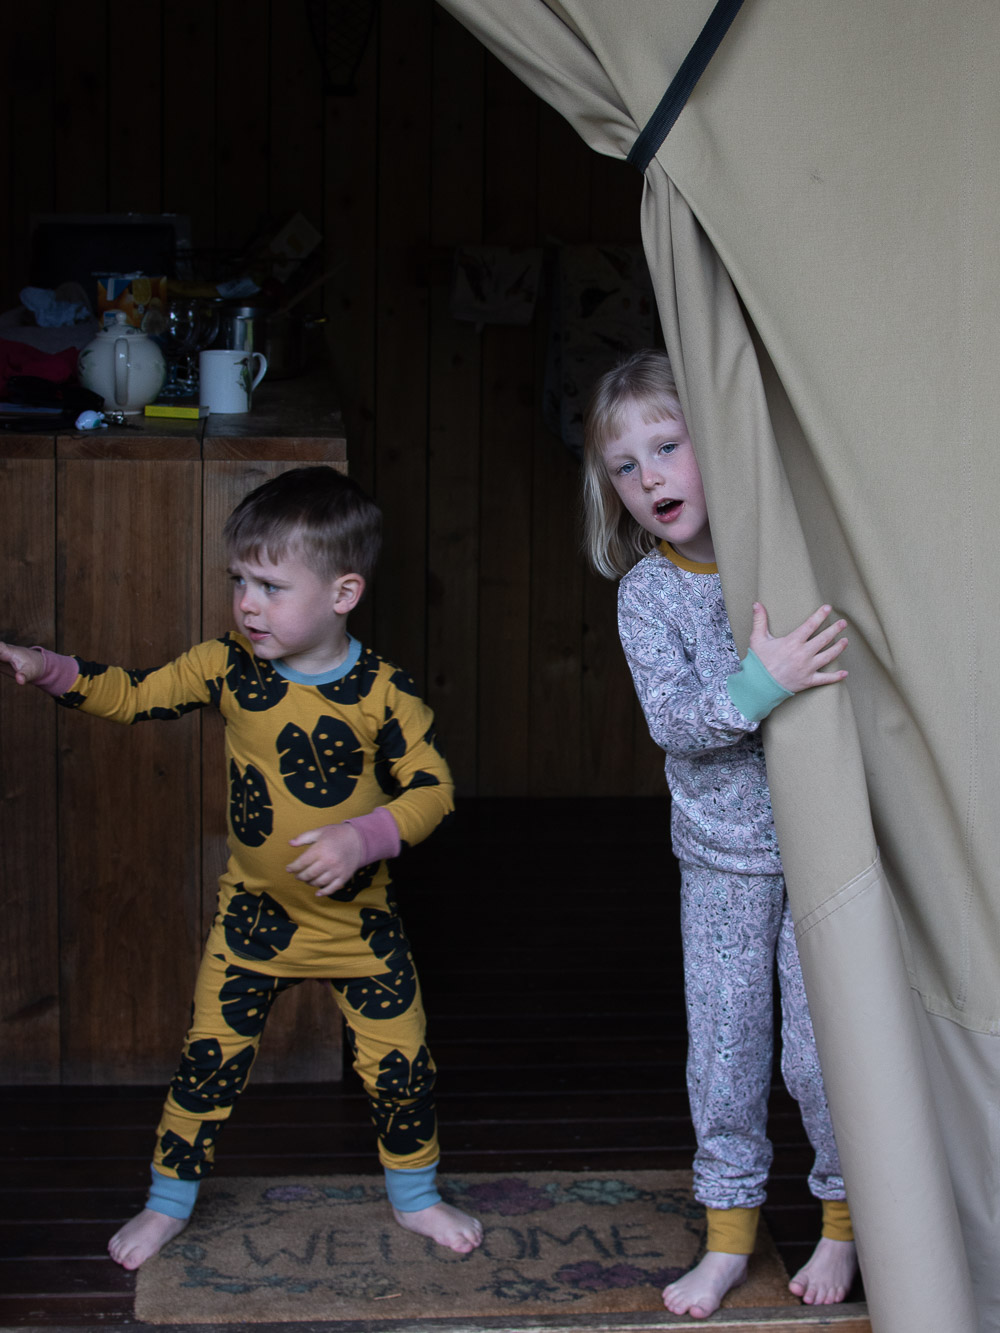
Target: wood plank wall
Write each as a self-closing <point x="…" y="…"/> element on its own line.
<point x="216" y="108"/>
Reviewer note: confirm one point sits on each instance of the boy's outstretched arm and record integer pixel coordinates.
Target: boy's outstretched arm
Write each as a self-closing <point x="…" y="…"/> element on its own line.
<point x="796" y="660"/>
<point x="24" y="664"/>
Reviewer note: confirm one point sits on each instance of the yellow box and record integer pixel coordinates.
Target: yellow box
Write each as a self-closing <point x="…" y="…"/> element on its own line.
<point x="143" y="299"/>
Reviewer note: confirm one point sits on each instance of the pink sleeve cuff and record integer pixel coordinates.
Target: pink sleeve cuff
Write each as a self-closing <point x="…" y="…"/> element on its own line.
<point x="379" y="834"/>
<point x="59" y="673"/>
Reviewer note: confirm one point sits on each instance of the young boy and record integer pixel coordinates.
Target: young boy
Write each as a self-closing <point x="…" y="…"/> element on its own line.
<point x="330" y="753"/>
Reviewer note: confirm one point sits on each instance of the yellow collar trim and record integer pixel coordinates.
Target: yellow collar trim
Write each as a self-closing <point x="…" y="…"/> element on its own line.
<point x="692" y="566"/>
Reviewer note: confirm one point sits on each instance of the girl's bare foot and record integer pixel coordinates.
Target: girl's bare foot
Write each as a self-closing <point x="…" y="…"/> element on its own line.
<point x="700" y="1292"/>
<point x="143" y="1236"/>
<point x="827" y="1277"/>
<point x="457" y="1230"/>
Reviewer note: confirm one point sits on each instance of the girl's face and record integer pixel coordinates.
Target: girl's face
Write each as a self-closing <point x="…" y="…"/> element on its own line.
<point x="655" y="473"/>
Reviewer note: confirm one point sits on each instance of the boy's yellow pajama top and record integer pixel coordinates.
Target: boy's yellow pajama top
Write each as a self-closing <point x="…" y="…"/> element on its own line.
<point x="301" y="752"/>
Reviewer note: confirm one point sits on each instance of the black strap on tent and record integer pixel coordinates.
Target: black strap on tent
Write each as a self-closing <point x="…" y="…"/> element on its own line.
<point x="693" y="66"/>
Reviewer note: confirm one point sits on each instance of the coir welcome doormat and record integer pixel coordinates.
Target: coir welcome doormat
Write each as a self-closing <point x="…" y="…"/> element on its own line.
<point x="327" y="1248"/>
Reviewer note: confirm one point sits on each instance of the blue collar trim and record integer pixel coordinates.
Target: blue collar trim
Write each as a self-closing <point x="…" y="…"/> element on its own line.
<point x="324" y="677"/>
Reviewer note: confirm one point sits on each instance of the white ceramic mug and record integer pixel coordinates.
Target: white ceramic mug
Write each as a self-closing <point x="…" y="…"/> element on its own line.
<point x="227" y="379"/>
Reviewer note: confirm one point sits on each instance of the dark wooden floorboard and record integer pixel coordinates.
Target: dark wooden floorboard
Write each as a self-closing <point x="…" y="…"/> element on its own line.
<point x="551" y="970"/>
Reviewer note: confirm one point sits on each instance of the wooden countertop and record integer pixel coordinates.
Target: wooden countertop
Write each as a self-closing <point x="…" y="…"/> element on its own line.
<point x="296" y="418"/>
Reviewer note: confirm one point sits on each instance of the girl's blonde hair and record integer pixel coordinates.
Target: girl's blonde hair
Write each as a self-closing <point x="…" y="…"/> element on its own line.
<point x="613" y="540"/>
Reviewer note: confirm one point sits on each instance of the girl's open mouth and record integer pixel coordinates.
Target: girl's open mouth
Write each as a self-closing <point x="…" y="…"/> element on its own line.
<point x="668" y="508"/>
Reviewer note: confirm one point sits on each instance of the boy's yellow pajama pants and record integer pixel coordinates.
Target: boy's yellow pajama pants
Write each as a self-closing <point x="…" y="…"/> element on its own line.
<point x="386" y="1030"/>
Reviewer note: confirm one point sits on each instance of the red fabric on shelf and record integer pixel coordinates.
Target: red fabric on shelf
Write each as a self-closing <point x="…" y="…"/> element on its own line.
<point x="17" y="358"/>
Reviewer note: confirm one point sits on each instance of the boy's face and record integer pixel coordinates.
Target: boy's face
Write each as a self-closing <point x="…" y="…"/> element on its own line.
<point x="288" y="611"/>
<point x="655" y="473"/>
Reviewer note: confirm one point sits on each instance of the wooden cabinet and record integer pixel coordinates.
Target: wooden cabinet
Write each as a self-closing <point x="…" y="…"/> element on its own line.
<point x="112" y="838"/>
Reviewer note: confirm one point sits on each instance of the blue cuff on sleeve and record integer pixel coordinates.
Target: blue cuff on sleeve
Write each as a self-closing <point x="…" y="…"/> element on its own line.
<point x="754" y="690"/>
<point x="411" y="1190"/>
<point x="174" y="1198"/>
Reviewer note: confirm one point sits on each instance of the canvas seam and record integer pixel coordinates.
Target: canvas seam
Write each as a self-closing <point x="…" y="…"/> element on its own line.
<point x="845" y="894"/>
<point x="968" y="552"/>
<point x="940" y="1006"/>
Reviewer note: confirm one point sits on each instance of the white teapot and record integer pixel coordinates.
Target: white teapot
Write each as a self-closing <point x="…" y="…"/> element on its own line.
<point x="123" y="365"/>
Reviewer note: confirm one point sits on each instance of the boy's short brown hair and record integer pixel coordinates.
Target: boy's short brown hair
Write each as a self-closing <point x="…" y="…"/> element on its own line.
<point x="316" y="513"/>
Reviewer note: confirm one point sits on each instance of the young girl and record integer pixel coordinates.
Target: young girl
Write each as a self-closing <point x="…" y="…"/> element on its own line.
<point x="647" y="523"/>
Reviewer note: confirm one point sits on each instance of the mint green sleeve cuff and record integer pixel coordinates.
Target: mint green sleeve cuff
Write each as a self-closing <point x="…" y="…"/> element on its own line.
<point x="754" y="690"/>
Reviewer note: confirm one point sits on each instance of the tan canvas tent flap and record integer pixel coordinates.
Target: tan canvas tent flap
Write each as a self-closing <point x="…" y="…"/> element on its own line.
<point x="821" y="225"/>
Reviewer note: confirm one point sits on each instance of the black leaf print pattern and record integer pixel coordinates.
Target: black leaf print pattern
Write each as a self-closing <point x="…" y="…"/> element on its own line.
<point x="323" y="768"/>
<point x="383" y="933"/>
<point x="358" y="682"/>
<point x="390" y="740"/>
<point x="403" y="682"/>
<point x="189" y="1161"/>
<point x="254" y="683"/>
<point x="246" y="999"/>
<point x="250" y="811"/>
<point x="91" y="669"/>
<point x="167" y="714"/>
<point x="393" y="992"/>
<point x="205" y="1080"/>
<point x="430" y="738"/>
<point x="256" y="925"/>
<point x="358" y="882"/>
<point x="390" y="745"/>
<point x="405" y="1128"/>
<point x="74" y="698"/>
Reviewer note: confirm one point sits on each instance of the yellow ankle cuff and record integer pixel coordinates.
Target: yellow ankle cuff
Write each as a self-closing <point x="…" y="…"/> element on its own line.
<point x="732" y="1230"/>
<point x="837" y="1220"/>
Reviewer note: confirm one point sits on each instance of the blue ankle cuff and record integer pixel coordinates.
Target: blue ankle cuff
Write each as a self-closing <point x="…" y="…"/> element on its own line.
<point x="411" y="1190"/>
<point x="174" y="1198"/>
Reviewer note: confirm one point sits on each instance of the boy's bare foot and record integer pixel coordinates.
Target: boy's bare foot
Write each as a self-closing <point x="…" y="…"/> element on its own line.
<point x="827" y="1277"/>
<point x="143" y="1236"/>
<point x="700" y="1292"/>
<point x="444" y="1224"/>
